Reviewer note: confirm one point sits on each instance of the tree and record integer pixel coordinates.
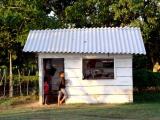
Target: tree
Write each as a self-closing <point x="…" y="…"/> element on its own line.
<point x="17" y="17"/>
<point x="89" y="13"/>
<point x="134" y="13"/>
<point x="58" y="7"/>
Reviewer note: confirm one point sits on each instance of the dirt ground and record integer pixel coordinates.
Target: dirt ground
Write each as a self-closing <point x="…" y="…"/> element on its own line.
<point x="33" y="106"/>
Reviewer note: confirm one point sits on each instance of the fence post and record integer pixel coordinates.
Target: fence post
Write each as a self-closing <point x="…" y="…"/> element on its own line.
<point x="4" y="86"/>
<point x="28" y="81"/>
<point x="19" y="78"/>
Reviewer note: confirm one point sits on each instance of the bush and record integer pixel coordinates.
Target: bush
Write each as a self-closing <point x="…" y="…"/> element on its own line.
<point x="143" y="79"/>
<point x="144" y="97"/>
<point x="32" y="84"/>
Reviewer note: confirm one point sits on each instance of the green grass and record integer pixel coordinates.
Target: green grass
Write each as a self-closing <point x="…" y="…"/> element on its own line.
<point x="146" y="106"/>
<point x="141" y="111"/>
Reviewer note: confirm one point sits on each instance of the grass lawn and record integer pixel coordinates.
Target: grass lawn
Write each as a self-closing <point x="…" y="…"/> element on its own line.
<point x="141" y="111"/>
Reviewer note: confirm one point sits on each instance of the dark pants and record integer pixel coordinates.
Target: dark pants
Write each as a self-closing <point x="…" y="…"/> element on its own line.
<point x="45" y="99"/>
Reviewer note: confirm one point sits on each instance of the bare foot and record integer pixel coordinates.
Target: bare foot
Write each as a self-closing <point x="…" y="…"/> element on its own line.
<point x="61" y="102"/>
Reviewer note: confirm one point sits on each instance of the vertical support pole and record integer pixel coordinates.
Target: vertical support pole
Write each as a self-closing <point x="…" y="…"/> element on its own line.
<point x="40" y="65"/>
<point x="131" y="96"/>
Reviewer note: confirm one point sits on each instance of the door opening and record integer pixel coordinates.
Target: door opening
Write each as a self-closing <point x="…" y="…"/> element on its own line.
<point x="52" y="67"/>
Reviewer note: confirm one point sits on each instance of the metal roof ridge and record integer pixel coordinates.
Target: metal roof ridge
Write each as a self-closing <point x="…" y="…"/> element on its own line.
<point x="85" y="28"/>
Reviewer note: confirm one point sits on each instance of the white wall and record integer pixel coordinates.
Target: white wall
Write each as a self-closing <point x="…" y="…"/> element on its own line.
<point x="40" y="65"/>
<point x="117" y="90"/>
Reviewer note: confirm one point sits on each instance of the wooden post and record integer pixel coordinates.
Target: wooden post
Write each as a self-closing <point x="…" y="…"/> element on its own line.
<point x="19" y="78"/>
<point x="4" y="87"/>
<point x="28" y="81"/>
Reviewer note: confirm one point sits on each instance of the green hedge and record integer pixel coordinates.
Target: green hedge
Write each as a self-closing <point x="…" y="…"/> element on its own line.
<point x="143" y="79"/>
<point x="143" y="97"/>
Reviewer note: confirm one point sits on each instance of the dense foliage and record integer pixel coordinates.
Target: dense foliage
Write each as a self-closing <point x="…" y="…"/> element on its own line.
<point x="17" y="17"/>
<point x="146" y="80"/>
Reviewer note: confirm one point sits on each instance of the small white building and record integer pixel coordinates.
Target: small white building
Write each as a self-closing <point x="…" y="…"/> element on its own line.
<point x="97" y="61"/>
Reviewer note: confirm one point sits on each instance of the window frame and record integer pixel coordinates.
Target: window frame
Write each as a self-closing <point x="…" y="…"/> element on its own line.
<point x="89" y="58"/>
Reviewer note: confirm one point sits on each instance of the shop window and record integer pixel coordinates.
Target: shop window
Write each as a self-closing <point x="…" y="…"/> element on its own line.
<point x="98" y="69"/>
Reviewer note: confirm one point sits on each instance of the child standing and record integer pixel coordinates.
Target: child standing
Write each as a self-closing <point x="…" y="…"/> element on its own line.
<point x="62" y="91"/>
<point x="46" y="91"/>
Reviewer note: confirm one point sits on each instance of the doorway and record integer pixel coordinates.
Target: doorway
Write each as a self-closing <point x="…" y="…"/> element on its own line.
<point x="52" y="67"/>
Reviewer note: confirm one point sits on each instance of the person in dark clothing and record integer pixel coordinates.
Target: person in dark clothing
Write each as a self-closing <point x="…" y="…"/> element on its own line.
<point x="46" y="91"/>
<point x="62" y="91"/>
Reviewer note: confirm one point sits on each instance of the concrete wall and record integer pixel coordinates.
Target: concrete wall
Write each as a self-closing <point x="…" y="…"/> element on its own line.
<point x="117" y="90"/>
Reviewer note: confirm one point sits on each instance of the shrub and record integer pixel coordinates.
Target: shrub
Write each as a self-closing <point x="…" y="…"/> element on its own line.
<point x="141" y="97"/>
<point x="143" y="79"/>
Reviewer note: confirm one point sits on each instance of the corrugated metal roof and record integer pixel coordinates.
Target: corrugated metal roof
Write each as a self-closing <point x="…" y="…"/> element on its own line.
<point x="118" y="40"/>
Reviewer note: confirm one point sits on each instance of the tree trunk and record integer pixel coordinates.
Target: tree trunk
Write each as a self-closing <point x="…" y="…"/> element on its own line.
<point x="10" y="76"/>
